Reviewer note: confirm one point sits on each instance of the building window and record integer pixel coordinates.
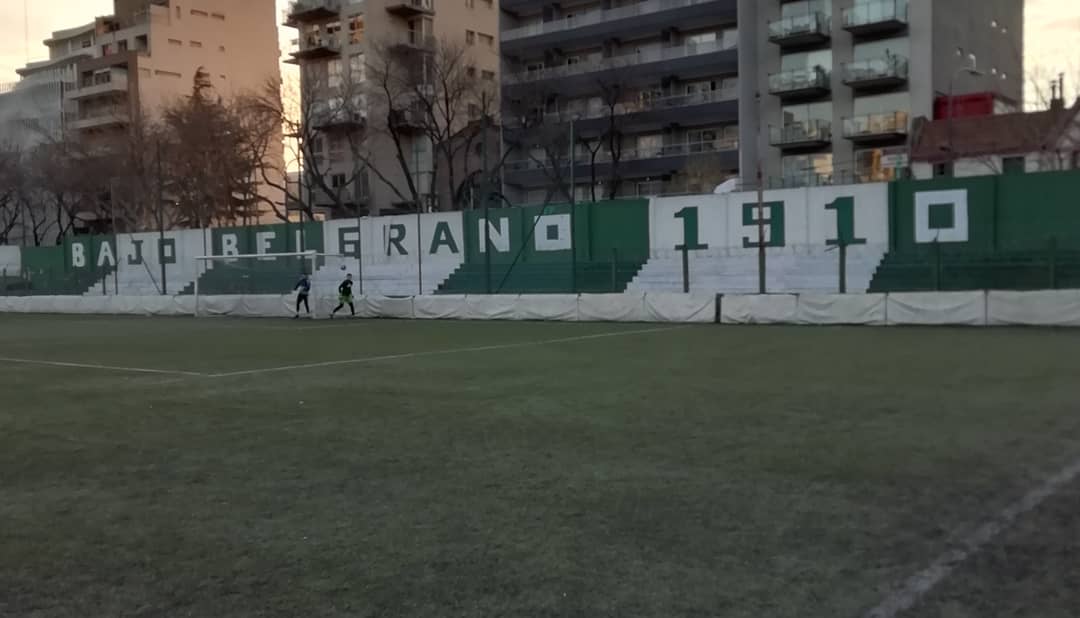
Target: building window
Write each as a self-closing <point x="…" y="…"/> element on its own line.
<point x="469" y="4"/>
<point x="1013" y="165"/>
<point x="179" y="12"/>
<point x="198" y="13"/>
<point x="807" y="170"/>
<point x="196" y="43"/>
<point x="356" y="68"/>
<point x="470" y="37"/>
<point x="337" y="181"/>
<point x="487" y="40"/>
<point x="487" y="75"/>
<point x="218" y="16"/>
<point x="356" y="29"/>
<point x="471" y="72"/>
<point x="175" y="42"/>
<point x="490" y="4"/>
<point x="221" y="48"/>
<point x="333" y="73"/>
<point x="943" y="170"/>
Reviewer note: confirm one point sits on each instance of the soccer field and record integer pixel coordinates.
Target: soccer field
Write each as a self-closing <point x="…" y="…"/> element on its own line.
<point x="222" y="468"/>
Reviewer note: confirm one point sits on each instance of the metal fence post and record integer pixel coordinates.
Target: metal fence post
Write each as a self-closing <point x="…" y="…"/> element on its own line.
<point x="937" y="266"/>
<point x="843" y="266"/>
<point x="686" y="268"/>
<point x="614" y="270"/>
<point x="1053" y="263"/>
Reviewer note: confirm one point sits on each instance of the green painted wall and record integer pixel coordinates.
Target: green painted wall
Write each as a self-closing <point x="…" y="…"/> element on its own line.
<point x="531" y="248"/>
<point x="1021" y="231"/>
<point x="270" y="276"/>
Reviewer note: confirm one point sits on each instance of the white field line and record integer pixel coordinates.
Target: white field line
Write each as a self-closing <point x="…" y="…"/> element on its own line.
<point x="914" y="588"/>
<point x="486" y="348"/>
<point x="171" y="372"/>
<point x="370" y="359"/>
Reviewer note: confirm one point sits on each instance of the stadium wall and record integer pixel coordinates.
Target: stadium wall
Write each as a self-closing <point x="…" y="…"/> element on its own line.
<point x="1012" y="232"/>
<point x="1059" y="308"/>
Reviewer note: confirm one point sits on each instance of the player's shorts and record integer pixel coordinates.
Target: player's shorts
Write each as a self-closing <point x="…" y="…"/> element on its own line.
<point x="345" y="299"/>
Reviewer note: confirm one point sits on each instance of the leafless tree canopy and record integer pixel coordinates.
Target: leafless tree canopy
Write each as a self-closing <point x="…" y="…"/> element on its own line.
<point x="197" y="163"/>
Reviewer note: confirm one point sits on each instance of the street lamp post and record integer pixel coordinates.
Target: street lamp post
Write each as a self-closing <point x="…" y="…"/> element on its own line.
<point x="970" y="70"/>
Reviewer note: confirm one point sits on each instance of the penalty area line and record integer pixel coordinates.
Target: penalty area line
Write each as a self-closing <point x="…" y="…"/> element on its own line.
<point x="915" y="588"/>
<point x="486" y="348"/>
<point x="170" y="372"/>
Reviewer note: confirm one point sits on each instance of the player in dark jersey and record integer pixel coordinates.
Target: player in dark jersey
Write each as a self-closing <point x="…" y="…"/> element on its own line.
<point x="302" y="289"/>
<point x="345" y="296"/>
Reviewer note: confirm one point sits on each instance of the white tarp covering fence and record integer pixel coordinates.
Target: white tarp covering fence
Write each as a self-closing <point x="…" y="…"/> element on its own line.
<point x="1046" y="308"/>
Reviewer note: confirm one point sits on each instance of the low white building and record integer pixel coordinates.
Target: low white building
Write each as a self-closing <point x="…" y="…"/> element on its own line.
<point x="1000" y="144"/>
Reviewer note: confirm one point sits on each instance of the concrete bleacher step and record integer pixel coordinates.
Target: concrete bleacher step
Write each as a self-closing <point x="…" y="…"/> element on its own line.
<point x="737" y="273"/>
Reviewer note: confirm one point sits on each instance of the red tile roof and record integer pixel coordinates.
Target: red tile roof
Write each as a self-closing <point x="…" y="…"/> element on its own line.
<point x="941" y="140"/>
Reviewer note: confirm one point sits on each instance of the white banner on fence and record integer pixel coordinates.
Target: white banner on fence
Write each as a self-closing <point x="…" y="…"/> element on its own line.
<point x="938" y="308"/>
<point x="853" y="309"/>
<point x="1047" y="308"/>
<point x="1051" y="308"/>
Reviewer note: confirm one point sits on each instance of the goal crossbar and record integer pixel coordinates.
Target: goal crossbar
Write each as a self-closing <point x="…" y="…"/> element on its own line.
<point x="262" y="257"/>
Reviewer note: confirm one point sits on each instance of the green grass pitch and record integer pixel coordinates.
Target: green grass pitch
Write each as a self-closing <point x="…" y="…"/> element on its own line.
<point x="527" y="469"/>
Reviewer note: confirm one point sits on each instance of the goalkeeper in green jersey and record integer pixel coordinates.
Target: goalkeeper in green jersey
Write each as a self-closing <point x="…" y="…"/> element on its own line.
<point x="345" y="296"/>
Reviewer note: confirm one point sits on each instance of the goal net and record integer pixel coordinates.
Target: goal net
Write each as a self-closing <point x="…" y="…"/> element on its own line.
<point x="265" y="285"/>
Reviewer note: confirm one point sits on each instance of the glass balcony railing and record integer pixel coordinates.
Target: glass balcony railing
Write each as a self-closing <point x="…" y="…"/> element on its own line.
<point x="598" y="17"/>
<point x="300" y="11"/>
<point x="809" y="26"/>
<point x="876" y="125"/>
<point x="597" y="109"/>
<point x="876" y="13"/>
<point x="889" y="68"/>
<point x="644" y="56"/>
<point x="800" y="80"/>
<point x="683" y="149"/>
<point x="807" y="132"/>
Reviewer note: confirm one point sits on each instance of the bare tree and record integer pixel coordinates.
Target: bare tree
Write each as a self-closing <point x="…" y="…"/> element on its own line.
<point x="212" y="172"/>
<point x="11" y="182"/>
<point x="431" y="90"/>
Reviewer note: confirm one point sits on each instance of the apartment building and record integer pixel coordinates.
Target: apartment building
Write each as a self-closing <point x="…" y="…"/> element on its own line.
<point x="840" y="82"/>
<point x="697" y="91"/>
<point x="338" y="44"/>
<point x="32" y="110"/>
<point x="146" y="54"/>
<point x="655" y="81"/>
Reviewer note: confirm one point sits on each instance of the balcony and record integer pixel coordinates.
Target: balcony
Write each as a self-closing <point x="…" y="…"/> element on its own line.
<point x="687" y="61"/>
<point x="633" y="162"/>
<point x="111" y="82"/>
<point x="800" y="31"/>
<point x="311" y="11"/>
<point x="626" y="22"/>
<point x="408" y="9"/>
<point x="101" y="120"/>
<point x="329" y="118"/>
<point x="876" y="73"/>
<point x="413" y="41"/>
<point x="314" y="48"/>
<point x="876" y="17"/>
<point x="801" y="135"/>
<point x="885" y="127"/>
<point x="712" y="107"/>
<point x="407" y="121"/>
<point x="800" y="83"/>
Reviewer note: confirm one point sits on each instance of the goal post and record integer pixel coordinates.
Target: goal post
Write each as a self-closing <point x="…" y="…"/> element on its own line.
<point x="266" y="282"/>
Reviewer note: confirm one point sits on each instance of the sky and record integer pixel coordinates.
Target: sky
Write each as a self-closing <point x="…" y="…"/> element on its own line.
<point x="1053" y="32"/>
